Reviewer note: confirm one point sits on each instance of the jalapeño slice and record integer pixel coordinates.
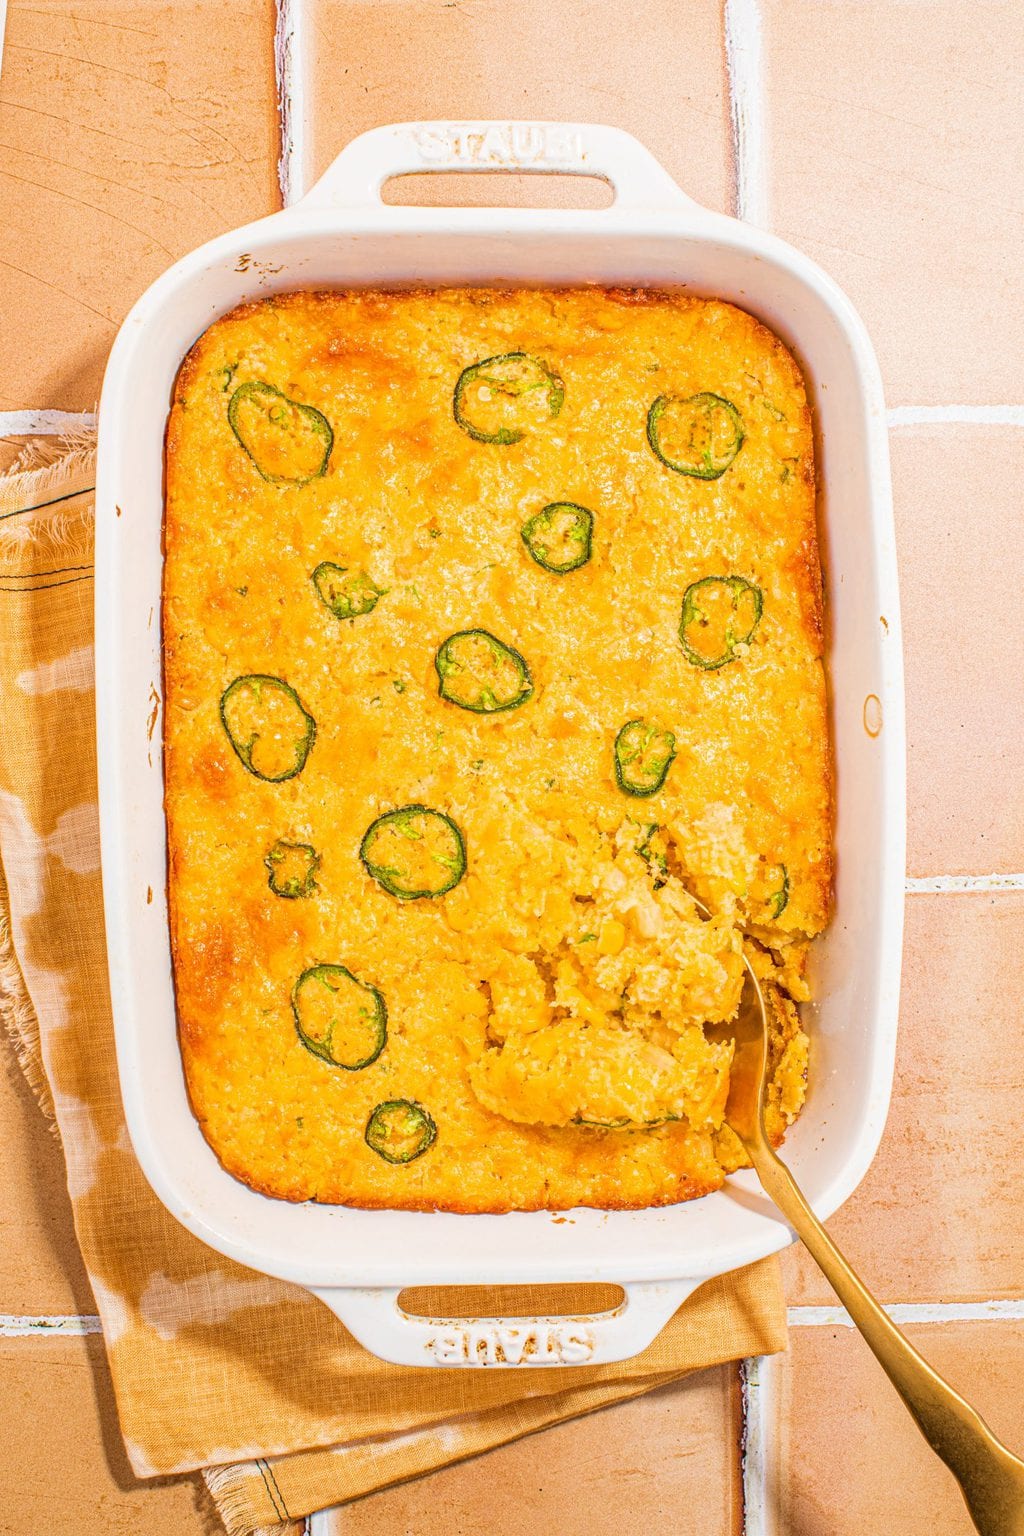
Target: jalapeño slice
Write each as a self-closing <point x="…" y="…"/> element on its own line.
<point x="775" y="889"/>
<point x="559" y="537"/>
<point x="780" y="896"/>
<point x="644" y="753"/>
<point x="289" y="443"/>
<point x="293" y="868"/>
<point x="502" y="398"/>
<point x="769" y="890"/>
<point x="602" y="1125"/>
<point x="400" y="1130"/>
<point x="720" y="613"/>
<point x="698" y="436"/>
<point x="481" y="673"/>
<point x="268" y="725"/>
<point x="414" y="852"/>
<point x="652" y="849"/>
<point x="339" y="1018"/>
<point x="347" y="594"/>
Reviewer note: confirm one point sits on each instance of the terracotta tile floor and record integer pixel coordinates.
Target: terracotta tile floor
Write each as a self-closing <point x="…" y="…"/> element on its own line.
<point x="129" y="134"/>
<point x="959" y="541"/>
<point x="885" y="140"/>
<point x="624" y="1472"/>
<point x="847" y="1465"/>
<point x="655" y="67"/>
<point x="64" y="1468"/>
<point x="894" y="154"/>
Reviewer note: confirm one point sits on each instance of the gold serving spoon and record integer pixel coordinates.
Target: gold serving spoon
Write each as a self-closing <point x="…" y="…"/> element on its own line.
<point x="991" y="1478"/>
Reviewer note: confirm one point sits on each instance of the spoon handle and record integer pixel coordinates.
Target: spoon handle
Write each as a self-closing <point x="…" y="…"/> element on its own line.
<point x="990" y="1477"/>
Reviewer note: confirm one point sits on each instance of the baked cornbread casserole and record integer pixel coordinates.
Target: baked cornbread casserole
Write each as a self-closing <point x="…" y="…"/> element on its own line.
<point x="493" y="637"/>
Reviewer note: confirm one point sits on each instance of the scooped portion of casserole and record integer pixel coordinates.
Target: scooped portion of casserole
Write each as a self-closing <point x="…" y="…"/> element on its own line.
<point x="493" y="665"/>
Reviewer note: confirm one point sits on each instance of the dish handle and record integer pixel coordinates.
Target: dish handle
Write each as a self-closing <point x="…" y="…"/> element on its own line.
<point x="355" y="178"/>
<point x="374" y="1317"/>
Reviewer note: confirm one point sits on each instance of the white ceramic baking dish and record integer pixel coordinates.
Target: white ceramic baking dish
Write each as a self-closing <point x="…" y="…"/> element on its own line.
<point x="342" y="234"/>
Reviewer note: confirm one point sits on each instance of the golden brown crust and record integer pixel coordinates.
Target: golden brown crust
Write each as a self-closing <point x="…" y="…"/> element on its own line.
<point x="434" y="518"/>
<point x="671" y="1193"/>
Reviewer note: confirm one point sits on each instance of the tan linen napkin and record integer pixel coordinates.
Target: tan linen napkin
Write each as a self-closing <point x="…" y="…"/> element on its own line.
<point x="214" y="1366"/>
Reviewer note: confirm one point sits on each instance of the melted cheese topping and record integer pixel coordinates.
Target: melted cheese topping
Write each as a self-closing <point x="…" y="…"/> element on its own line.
<point x="548" y="1011"/>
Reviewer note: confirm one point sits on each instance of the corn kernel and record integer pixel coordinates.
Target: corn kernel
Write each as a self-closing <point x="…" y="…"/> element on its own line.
<point x="612" y="937"/>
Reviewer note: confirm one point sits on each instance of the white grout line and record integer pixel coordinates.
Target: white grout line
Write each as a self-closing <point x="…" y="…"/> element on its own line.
<point x="14" y="1327"/>
<point x="744" y="64"/>
<point x="951" y="885"/>
<point x="956" y="415"/>
<point x="912" y="1312"/>
<point x="36" y="423"/>
<point x="30" y="423"/>
<point x="290" y="66"/>
<point x="757" y="1385"/>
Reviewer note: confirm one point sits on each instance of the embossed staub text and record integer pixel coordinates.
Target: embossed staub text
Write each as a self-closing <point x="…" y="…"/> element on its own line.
<point x="528" y="1343"/>
<point x="499" y="144"/>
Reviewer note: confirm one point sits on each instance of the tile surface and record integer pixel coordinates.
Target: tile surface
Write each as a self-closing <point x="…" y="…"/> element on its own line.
<point x="937" y="1217"/>
<point x="128" y="135"/>
<point x="626" y="1471"/>
<point x="41" y="1270"/>
<point x="78" y="1483"/>
<point x="852" y="1460"/>
<point x="958" y="530"/>
<point x="894" y="150"/>
<point x="655" y="67"/>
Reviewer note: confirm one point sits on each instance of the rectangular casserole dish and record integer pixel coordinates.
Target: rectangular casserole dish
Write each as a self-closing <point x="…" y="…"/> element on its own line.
<point x="341" y="234"/>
